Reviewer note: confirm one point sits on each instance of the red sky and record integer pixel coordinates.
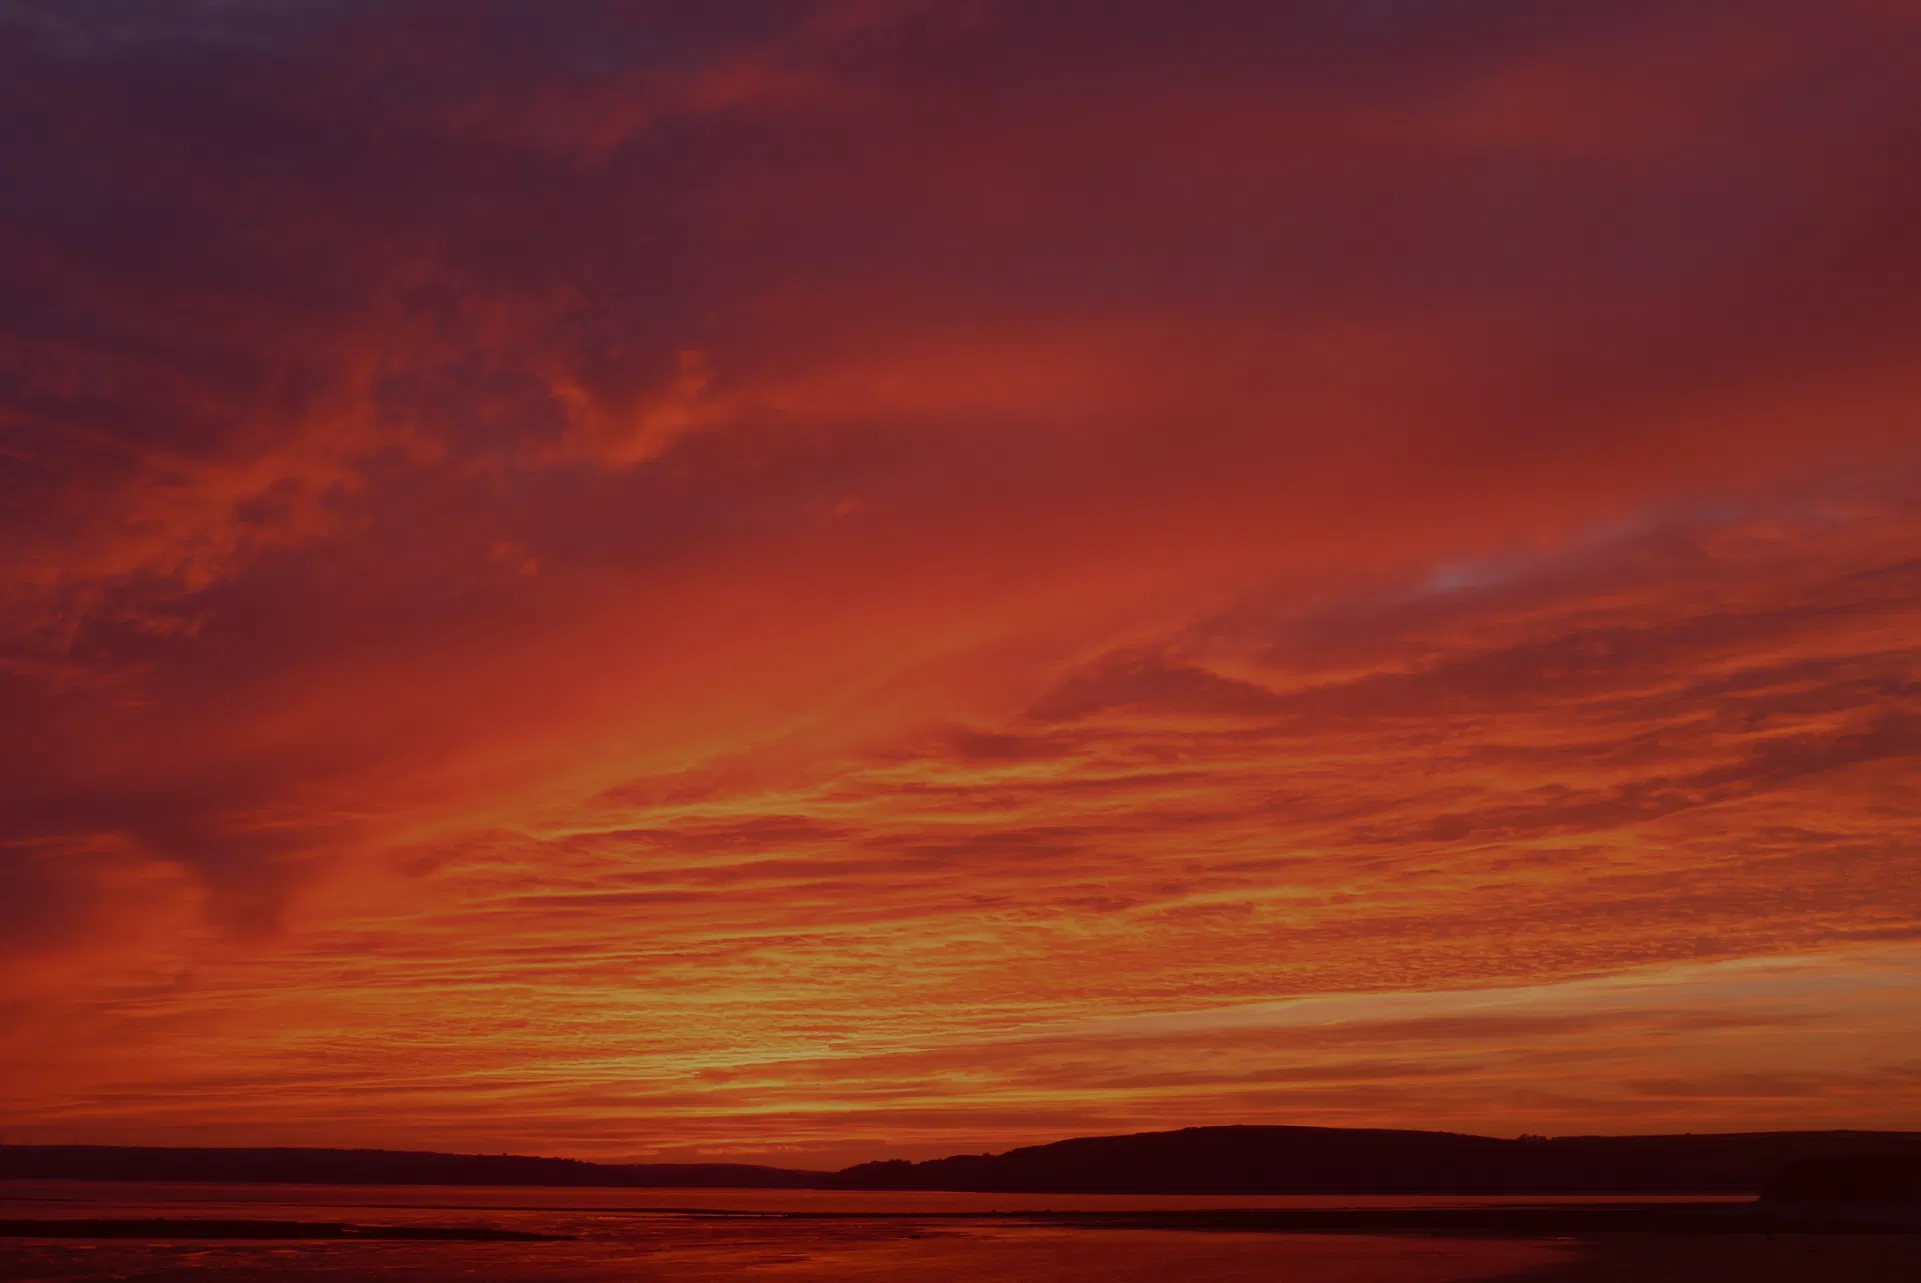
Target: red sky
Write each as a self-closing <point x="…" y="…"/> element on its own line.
<point x="819" y="581"/>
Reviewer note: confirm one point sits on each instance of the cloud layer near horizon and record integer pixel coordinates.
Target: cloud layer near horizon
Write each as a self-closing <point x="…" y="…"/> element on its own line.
<point x="750" y="577"/>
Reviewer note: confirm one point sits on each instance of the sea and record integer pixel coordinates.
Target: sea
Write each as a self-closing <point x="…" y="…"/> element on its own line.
<point x="801" y="1236"/>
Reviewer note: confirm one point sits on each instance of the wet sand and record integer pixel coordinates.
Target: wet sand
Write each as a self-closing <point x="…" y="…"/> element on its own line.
<point x="1782" y="1258"/>
<point x="789" y="1253"/>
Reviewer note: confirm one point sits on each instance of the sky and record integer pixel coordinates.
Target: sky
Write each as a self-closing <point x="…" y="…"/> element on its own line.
<point x="804" y="582"/>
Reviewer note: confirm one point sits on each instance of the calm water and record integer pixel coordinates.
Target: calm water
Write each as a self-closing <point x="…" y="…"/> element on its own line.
<point x="659" y="1236"/>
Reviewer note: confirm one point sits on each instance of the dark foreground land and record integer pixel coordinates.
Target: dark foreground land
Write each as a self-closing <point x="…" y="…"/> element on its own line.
<point x="1754" y="1259"/>
<point x="1198" y="1160"/>
<point x="1488" y="1243"/>
<point x="879" y="1254"/>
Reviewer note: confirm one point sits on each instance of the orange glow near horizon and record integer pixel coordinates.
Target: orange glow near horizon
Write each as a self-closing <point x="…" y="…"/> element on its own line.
<point x="802" y="583"/>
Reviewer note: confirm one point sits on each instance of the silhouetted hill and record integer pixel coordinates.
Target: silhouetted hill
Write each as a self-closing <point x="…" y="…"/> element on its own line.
<point x="1316" y="1160"/>
<point x="1198" y="1160"/>
<point x="374" y="1167"/>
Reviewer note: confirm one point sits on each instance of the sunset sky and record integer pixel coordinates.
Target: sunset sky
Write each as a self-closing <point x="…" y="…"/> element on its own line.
<point x="803" y="582"/>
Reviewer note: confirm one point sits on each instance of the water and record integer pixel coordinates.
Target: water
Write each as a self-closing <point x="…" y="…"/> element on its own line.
<point x="42" y="1199"/>
<point x="704" y="1236"/>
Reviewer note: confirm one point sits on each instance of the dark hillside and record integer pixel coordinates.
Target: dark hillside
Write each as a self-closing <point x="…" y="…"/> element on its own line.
<point x="1224" y="1160"/>
<point x="1198" y="1160"/>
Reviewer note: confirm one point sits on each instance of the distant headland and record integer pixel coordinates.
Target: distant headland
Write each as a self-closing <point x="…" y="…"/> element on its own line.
<point x="1196" y="1160"/>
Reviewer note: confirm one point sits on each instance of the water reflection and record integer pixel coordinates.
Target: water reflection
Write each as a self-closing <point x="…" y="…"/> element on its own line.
<point x="650" y="1236"/>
